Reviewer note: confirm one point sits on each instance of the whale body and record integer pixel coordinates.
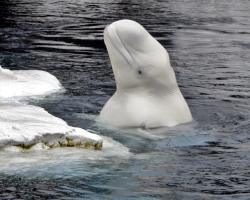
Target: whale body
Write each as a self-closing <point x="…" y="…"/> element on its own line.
<point x="147" y="92"/>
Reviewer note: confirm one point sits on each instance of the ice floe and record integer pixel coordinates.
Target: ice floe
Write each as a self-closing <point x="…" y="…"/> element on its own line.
<point x="26" y="126"/>
<point x="27" y="83"/>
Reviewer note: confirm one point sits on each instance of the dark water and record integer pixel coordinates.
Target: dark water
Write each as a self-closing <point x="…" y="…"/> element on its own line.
<point x="209" y="46"/>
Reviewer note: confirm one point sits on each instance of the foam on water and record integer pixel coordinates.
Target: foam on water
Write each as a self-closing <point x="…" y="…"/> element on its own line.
<point x="181" y="135"/>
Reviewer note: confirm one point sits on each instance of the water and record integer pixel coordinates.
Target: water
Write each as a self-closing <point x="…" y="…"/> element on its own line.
<point x="209" y="47"/>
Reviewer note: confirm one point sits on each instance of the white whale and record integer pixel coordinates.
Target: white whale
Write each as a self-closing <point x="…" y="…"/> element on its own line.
<point x="147" y="92"/>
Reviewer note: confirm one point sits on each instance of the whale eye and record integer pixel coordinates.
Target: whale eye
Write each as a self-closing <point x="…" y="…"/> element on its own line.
<point x="140" y="72"/>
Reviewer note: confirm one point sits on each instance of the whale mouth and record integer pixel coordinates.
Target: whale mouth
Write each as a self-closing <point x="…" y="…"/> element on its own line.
<point x="112" y="37"/>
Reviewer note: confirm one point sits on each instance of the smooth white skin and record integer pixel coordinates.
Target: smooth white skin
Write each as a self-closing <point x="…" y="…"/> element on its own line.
<point x="147" y="91"/>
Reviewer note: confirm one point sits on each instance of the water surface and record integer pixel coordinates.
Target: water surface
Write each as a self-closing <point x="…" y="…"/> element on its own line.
<point x="209" y="47"/>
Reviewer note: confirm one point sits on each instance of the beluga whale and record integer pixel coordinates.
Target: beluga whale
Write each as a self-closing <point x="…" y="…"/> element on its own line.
<point x="147" y="93"/>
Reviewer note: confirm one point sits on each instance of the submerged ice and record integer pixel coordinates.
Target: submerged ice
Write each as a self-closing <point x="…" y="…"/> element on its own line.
<point x="26" y="126"/>
<point x="63" y="162"/>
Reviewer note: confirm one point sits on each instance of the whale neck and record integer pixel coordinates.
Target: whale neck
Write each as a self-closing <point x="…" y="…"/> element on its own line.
<point x="151" y="92"/>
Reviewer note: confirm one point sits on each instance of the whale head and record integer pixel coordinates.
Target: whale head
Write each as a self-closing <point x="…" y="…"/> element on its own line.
<point x="139" y="62"/>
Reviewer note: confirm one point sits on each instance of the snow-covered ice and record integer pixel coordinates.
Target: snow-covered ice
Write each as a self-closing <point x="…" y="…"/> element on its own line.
<point x="27" y="83"/>
<point x="26" y="126"/>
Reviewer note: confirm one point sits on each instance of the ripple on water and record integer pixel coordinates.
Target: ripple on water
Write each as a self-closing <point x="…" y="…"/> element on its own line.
<point x="208" y="43"/>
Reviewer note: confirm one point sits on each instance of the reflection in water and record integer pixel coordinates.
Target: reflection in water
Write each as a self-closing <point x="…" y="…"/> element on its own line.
<point x="208" y="43"/>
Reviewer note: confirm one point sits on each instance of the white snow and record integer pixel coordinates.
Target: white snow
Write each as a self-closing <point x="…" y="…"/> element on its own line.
<point x="25" y="126"/>
<point x="27" y="83"/>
